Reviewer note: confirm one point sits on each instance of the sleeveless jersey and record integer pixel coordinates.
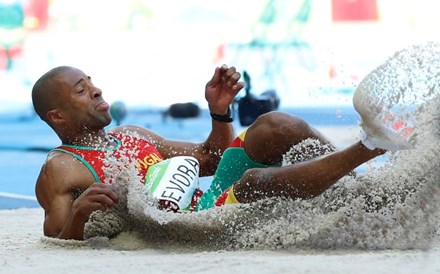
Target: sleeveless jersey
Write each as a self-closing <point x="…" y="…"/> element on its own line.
<point x="132" y="151"/>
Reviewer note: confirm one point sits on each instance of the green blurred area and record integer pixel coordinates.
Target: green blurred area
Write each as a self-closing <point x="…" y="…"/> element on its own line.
<point x="11" y="15"/>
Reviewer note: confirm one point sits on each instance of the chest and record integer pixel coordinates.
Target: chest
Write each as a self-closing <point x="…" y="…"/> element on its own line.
<point x="129" y="155"/>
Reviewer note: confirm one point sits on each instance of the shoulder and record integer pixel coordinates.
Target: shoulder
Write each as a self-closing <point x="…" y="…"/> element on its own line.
<point x="62" y="173"/>
<point x="58" y="161"/>
<point x="130" y="129"/>
<point x="138" y="132"/>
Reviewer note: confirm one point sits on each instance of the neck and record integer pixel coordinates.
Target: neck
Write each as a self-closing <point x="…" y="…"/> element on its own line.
<point x="89" y="139"/>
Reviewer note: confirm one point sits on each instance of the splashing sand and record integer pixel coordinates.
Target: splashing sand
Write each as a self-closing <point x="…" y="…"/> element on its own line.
<point x="391" y="100"/>
<point x="394" y="206"/>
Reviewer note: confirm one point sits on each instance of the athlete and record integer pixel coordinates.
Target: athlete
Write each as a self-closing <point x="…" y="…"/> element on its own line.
<point x="71" y="182"/>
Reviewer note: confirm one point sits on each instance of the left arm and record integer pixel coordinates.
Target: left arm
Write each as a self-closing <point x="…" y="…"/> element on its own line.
<point x="220" y="92"/>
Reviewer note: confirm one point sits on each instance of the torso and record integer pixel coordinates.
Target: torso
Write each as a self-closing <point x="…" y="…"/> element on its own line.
<point x="129" y="153"/>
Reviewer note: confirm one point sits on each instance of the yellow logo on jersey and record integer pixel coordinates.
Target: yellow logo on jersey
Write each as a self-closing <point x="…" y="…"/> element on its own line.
<point x="148" y="160"/>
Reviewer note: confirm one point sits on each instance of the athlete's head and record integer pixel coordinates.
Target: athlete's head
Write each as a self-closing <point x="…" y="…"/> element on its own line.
<point x="66" y="99"/>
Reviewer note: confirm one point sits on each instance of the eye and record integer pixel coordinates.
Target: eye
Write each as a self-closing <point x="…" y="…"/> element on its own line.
<point x="81" y="90"/>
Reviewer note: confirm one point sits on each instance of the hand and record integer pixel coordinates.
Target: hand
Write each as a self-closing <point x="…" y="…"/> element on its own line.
<point x="222" y="88"/>
<point x="97" y="197"/>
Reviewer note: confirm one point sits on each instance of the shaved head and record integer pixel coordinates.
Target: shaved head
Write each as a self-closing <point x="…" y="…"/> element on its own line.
<point x="44" y="92"/>
<point x="68" y="101"/>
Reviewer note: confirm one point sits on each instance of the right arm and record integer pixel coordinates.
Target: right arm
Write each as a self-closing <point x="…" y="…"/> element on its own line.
<point x="66" y="216"/>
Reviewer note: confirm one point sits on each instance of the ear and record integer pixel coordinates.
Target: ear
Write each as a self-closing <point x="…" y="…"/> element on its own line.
<point x="55" y="117"/>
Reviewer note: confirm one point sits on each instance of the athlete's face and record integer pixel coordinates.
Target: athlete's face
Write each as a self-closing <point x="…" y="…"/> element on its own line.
<point x="80" y="102"/>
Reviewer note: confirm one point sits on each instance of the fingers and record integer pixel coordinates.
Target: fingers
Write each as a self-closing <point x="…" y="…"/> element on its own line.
<point x="227" y="75"/>
<point x="222" y="69"/>
<point x="238" y="86"/>
<point x="99" y="196"/>
<point x="230" y="76"/>
<point x="102" y="202"/>
<point x="217" y="76"/>
<point x="106" y="189"/>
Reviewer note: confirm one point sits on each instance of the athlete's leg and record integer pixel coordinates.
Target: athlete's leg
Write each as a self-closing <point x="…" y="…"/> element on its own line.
<point x="265" y="142"/>
<point x="274" y="133"/>
<point x="302" y="180"/>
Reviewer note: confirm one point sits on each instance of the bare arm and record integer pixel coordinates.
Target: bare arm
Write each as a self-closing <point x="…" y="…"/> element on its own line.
<point x="66" y="216"/>
<point x="220" y="93"/>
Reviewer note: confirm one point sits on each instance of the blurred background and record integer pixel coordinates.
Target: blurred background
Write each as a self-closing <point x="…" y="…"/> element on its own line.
<point x="150" y="53"/>
<point x="153" y="58"/>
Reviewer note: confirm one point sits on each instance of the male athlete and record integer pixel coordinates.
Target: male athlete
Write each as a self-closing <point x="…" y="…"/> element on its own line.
<point x="71" y="182"/>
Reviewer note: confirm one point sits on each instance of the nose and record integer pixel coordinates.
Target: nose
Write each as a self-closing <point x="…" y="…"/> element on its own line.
<point x="96" y="92"/>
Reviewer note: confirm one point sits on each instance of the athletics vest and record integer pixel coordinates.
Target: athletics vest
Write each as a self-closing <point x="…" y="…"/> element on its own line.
<point x="129" y="149"/>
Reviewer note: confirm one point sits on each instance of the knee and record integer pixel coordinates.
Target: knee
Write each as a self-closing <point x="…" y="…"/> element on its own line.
<point x="286" y="128"/>
<point x="272" y="135"/>
<point x="280" y="123"/>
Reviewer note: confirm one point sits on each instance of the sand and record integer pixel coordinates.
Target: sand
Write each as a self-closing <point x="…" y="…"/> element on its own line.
<point x="332" y="241"/>
<point x="23" y="249"/>
<point x="388" y="240"/>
